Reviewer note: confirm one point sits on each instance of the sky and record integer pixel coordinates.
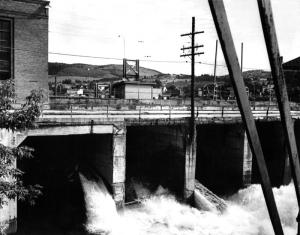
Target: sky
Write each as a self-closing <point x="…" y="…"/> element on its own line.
<point x="150" y="30"/>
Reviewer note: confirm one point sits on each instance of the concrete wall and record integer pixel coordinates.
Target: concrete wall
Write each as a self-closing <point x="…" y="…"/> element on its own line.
<point x="275" y="153"/>
<point x="30" y="23"/>
<point x="98" y="155"/>
<point x="156" y="156"/>
<point x="220" y="157"/>
<point x="224" y="159"/>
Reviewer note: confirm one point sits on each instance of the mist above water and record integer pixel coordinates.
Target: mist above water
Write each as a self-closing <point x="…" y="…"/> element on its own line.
<point x="162" y="214"/>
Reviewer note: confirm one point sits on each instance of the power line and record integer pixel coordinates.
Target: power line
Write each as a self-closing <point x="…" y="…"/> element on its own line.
<point x="84" y="56"/>
<point x="192" y="55"/>
<point x="143" y="60"/>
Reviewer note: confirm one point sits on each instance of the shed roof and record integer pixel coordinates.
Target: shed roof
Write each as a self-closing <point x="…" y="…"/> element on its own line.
<point x="134" y="83"/>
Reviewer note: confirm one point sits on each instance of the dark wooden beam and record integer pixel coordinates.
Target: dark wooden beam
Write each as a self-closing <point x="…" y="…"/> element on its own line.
<point x="190" y="34"/>
<point x="220" y="18"/>
<point x="196" y="53"/>
<point x="266" y="15"/>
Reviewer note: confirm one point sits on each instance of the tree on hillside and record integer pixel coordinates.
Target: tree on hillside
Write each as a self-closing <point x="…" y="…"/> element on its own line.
<point x="67" y="81"/>
<point x="16" y="119"/>
<point x="158" y="83"/>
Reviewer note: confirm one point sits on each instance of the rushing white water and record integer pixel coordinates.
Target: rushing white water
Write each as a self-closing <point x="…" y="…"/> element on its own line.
<point x="246" y="214"/>
<point x="101" y="208"/>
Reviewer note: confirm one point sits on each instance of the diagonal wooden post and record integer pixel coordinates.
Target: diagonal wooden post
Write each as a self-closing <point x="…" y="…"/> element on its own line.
<point x="220" y="18"/>
<point x="266" y="15"/>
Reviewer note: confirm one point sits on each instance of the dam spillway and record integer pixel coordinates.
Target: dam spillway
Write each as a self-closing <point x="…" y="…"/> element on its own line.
<point x="149" y="150"/>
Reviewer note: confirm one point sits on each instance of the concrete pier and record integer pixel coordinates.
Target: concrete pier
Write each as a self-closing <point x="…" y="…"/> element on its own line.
<point x="190" y="164"/>
<point x="247" y="163"/>
<point x="119" y="164"/>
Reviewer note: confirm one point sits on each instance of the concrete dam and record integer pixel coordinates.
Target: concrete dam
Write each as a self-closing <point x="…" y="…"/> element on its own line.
<point x="148" y="147"/>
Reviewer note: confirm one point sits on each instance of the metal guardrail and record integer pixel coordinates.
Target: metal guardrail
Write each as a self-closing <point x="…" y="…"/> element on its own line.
<point x="169" y="112"/>
<point x="141" y="109"/>
<point x="93" y="102"/>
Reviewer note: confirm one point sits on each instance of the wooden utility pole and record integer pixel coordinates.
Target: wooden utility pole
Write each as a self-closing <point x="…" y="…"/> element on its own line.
<point x="191" y="143"/>
<point x="221" y="22"/>
<point x="192" y="55"/>
<point x="215" y="71"/>
<point x="242" y="56"/>
<point x="266" y="15"/>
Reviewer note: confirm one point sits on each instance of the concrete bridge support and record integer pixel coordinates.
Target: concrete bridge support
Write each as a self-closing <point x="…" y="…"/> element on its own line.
<point x="247" y="163"/>
<point x="119" y="164"/>
<point x="190" y="164"/>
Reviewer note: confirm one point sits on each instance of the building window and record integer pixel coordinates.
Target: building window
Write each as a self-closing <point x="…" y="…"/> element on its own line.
<point x="5" y="49"/>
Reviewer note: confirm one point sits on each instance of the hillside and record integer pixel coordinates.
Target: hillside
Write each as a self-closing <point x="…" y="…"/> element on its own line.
<point x="113" y="72"/>
<point x="103" y="72"/>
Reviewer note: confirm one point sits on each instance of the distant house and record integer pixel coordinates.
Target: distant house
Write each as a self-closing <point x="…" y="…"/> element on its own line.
<point x="200" y="92"/>
<point x="24" y="44"/>
<point x="102" y="90"/>
<point x="136" y="90"/>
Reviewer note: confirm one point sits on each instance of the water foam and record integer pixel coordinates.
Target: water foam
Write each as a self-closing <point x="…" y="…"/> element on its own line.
<point x="246" y="214"/>
<point x="101" y="209"/>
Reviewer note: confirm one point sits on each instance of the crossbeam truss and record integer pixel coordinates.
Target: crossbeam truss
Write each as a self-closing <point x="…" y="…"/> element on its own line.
<point x="223" y="29"/>
<point x="131" y="69"/>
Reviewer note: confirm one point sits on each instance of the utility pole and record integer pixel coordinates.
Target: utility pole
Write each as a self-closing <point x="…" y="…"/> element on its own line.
<point x="215" y="72"/>
<point x="242" y="56"/>
<point x="190" y="140"/>
<point x="192" y="55"/>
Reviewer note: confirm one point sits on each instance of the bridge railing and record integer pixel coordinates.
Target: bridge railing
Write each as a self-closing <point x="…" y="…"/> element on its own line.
<point x="172" y="108"/>
<point x="165" y="112"/>
<point x="64" y="103"/>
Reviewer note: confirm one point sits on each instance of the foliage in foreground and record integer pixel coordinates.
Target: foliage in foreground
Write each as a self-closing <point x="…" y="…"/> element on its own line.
<point x="15" y="117"/>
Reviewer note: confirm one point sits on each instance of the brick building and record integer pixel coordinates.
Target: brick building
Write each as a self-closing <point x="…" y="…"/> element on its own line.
<point x="24" y="58"/>
<point x="24" y="44"/>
